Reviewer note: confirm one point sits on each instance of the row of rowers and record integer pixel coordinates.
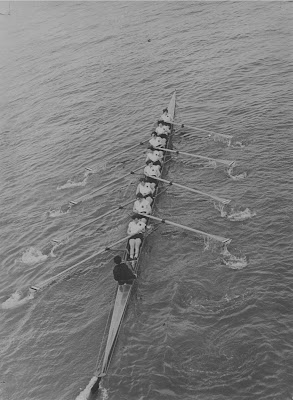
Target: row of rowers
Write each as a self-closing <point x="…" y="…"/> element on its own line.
<point x="147" y="185"/>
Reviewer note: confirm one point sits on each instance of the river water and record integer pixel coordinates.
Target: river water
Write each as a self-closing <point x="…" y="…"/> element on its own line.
<point x="83" y="81"/>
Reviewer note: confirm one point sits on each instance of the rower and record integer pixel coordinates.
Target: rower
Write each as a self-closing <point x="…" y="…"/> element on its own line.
<point x="163" y="137"/>
<point x="166" y="118"/>
<point x="136" y="228"/>
<point x="152" y="170"/>
<point x="160" y="129"/>
<point x="166" y="129"/>
<point x="156" y="141"/>
<point x="141" y="205"/>
<point x="156" y="156"/>
<point x="147" y="189"/>
<point x="122" y="272"/>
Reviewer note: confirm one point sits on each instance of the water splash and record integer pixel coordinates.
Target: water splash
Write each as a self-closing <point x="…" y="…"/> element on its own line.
<point x="52" y="213"/>
<point x="70" y="183"/>
<point x="230" y="297"/>
<point x="241" y="215"/>
<point x="15" y="300"/>
<point x="34" y="256"/>
<point x="220" y="138"/>
<point x="238" y="145"/>
<point x="234" y="215"/>
<point x="238" y="177"/>
<point x="221" y="207"/>
<point x="210" y="244"/>
<point x="232" y="261"/>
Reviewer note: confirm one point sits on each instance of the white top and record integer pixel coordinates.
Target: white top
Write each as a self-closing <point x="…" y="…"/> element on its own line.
<point x="157" y="142"/>
<point x="136" y="227"/>
<point x="160" y="130"/>
<point x="142" y="206"/>
<point x="152" y="170"/>
<point x="166" y="118"/>
<point x="155" y="155"/>
<point x="144" y="189"/>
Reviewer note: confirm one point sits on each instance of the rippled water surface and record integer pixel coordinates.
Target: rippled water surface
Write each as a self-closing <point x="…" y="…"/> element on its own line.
<point x="83" y="81"/>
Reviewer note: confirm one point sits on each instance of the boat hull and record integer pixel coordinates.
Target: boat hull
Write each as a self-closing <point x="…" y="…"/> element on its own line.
<point x="123" y="292"/>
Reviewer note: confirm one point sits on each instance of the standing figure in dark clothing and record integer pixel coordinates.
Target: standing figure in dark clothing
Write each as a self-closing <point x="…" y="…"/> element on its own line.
<point x="122" y="273"/>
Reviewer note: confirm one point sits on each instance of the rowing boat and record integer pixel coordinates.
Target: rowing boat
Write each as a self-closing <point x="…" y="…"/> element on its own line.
<point x="123" y="292"/>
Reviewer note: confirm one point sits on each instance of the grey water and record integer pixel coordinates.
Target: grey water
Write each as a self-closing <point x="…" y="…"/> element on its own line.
<point x="83" y="81"/>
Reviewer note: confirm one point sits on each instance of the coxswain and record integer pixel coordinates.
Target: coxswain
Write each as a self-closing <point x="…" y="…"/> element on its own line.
<point x="156" y="141"/>
<point x="141" y="205"/>
<point x="122" y="273"/>
<point x="147" y="189"/>
<point x="136" y="228"/>
<point x="155" y="156"/>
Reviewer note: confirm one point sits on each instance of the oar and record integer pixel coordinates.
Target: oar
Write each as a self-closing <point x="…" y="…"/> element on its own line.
<point x="218" y="160"/>
<point x="122" y="152"/>
<point x="50" y="280"/>
<point x="87" y="196"/>
<point x="94" y="220"/>
<point x="228" y="137"/>
<point x="220" y="199"/>
<point x="215" y="237"/>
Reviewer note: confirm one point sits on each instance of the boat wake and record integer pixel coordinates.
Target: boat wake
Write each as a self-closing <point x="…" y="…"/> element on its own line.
<point x="233" y="262"/>
<point x="16" y="300"/>
<point x="71" y="184"/>
<point x="85" y="394"/>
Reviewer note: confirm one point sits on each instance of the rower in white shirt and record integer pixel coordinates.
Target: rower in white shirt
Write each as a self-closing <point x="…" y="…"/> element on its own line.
<point x="147" y="189"/>
<point x="136" y="228"/>
<point x="156" y="141"/>
<point x="160" y="128"/>
<point x="156" y="156"/>
<point x="141" y="205"/>
<point x="151" y="170"/>
<point x="166" y="129"/>
<point x="166" y="117"/>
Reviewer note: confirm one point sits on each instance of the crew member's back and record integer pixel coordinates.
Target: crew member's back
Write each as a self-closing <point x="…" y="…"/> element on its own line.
<point x="122" y="273"/>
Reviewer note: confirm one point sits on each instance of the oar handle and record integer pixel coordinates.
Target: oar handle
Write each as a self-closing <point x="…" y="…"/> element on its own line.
<point x="127" y="150"/>
<point x="226" y="162"/>
<point x="220" y="199"/>
<point x="229" y="137"/>
<point x="95" y="220"/>
<point x="86" y="196"/>
<point x="49" y="280"/>
<point x="215" y="237"/>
